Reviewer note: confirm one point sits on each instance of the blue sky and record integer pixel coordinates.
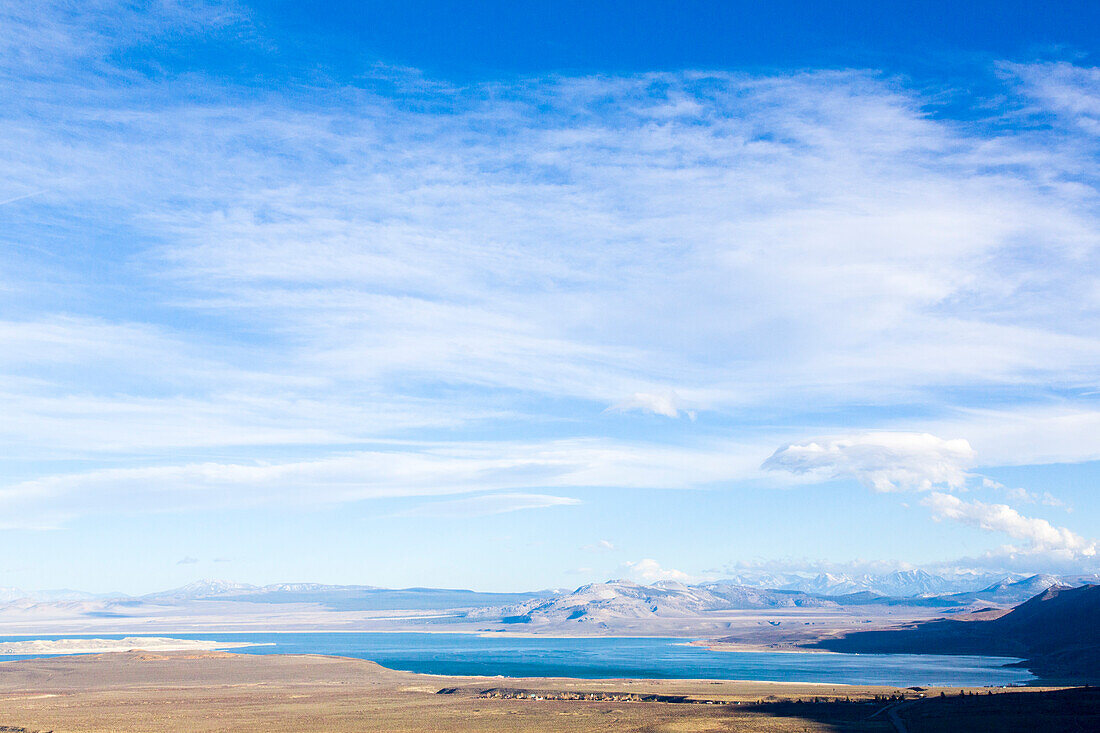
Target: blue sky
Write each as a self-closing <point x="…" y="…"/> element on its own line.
<point x="405" y="294"/>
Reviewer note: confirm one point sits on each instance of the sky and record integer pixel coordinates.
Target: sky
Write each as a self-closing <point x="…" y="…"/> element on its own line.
<point x="527" y="295"/>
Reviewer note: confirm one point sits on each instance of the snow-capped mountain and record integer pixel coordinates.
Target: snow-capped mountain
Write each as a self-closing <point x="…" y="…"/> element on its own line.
<point x="202" y="589"/>
<point x="1012" y="592"/>
<point x="897" y="584"/>
<point x="623" y="599"/>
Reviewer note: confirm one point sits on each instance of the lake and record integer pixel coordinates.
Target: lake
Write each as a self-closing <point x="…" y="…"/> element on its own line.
<point x="610" y="657"/>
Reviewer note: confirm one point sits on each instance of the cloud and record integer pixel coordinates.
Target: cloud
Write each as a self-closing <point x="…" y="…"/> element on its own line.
<point x="1034" y="497"/>
<point x="667" y="404"/>
<point x="883" y="461"/>
<point x="479" y="506"/>
<point x="924" y="462"/>
<point x="763" y="567"/>
<point x="1027" y="435"/>
<point x="1071" y="92"/>
<point x="187" y="560"/>
<point x="309" y="283"/>
<point x="396" y="470"/>
<point x="650" y="571"/>
<point x="1041" y="535"/>
<point x="599" y="546"/>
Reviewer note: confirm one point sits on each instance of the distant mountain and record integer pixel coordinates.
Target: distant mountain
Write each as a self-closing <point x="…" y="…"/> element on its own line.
<point x="898" y="584"/>
<point x="1056" y="631"/>
<point x="914" y="583"/>
<point x="604" y="603"/>
<point x="8" y="595"/>
<point x="1009" y="592"/>
<point x="909" y="587"/>
<point x="828" y="584"/>
<point x="312" y="588"/>
<point x="341" y="597"/>
<point x="368" y="598"/>
<point x="201" y="589"/>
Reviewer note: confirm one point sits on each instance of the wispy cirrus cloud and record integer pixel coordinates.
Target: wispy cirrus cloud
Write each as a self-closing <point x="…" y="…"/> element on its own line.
<point x="391" y="471"/>
<point x="302" y="274"/>
<point x="480" y="506"/>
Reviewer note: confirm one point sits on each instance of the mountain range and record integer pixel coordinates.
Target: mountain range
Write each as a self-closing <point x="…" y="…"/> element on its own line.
<point x="915" y="587"/>
<point x="604" y="603"/>
<point x="897" y="584"/>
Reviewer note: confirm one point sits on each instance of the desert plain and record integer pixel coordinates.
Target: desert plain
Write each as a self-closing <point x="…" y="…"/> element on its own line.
<point x="212" y="691"/>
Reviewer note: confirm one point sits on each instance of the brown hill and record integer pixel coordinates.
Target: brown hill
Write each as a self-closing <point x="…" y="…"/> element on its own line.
<point x="1056" y="632"/>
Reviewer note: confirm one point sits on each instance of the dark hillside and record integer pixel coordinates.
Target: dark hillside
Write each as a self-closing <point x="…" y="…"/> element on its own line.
<point x="1057" y="632"/>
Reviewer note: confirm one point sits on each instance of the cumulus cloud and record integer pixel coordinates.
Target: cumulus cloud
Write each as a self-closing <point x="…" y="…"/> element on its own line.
<point x="187" y="560"/>
<point x="667" y="404"/>
<point x="883" y="461"/>
<point x="924" y="462"/>
<point x="599" y="546"/>
<point x="480" y="506"/>
<point x="1041" y="535"/>
<point x="649" y="570"/>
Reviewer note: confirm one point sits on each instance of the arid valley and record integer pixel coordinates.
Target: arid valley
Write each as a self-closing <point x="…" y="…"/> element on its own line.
<point x="160" y="683"/>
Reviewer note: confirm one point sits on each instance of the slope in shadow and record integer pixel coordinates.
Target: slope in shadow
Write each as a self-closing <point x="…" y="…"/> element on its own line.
<point x="1056" y="632"/>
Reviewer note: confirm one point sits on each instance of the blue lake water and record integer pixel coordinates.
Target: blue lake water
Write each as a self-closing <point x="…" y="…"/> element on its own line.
<point x="597" y="658"/>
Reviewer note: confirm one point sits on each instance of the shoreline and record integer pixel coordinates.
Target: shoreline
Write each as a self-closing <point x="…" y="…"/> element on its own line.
<point x="185" y="654"/>
<point x="479" y="633"/>
<point x="731" y="646"/>
<point x="39" y="648"/>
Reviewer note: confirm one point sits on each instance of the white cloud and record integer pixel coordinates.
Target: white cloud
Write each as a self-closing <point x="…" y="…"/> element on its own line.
<point x="479" y="506"/>
<point x="409" y="469"/>
<point x="649" y="570"/>
<point x="884" y="461"/>
<point x="1072" y="92"/>
<point x="805" y="565"/>
<point x="667" y="404"/>
<point x="1035" y="497"/>
<point x="404" y="280"/>
<point x="1027" y="435"/>
<point x="303" y="279"/>
<point x="599" y="546"/>
<point x="1041" y="535"/>
<point x="920" y="461"/>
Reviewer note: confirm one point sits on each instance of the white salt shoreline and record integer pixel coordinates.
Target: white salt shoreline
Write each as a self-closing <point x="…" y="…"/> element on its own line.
<point x="97" y="646"/>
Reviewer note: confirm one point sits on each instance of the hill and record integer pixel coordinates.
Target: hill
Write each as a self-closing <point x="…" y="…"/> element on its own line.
<point x="1056" y="632"/>
<point x="340" y="597"/>
<point x="604" y="603"/>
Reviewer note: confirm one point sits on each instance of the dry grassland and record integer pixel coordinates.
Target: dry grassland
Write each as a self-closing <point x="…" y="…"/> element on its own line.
<point x="215" y="691"/>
